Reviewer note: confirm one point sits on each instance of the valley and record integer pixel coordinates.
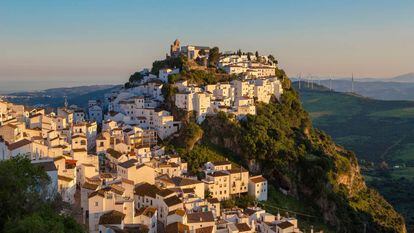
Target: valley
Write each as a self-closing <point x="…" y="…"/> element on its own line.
<point x="381" y="133"/>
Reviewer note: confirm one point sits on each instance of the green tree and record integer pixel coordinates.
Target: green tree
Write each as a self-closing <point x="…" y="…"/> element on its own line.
<point x="213" y="56"/>
<point x="239" y="52"/>
<point x="257" y="55"/>
<point x="136" y="77"/>
<point x="23" y="203"/>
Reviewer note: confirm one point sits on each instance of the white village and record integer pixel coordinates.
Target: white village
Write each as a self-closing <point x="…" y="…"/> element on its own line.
<point x="109" y="161"/>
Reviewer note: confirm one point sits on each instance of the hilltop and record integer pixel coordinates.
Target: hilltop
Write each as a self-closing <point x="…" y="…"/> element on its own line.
<point x="280" y="143"/>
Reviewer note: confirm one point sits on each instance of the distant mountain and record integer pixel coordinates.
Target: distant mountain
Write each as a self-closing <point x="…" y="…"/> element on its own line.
<point x="409" y="77"/>
<point x="381" y="90"/>
<point x="55" y="97"/>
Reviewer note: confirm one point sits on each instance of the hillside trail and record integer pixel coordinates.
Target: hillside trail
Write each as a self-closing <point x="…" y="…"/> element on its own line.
<point x="384" y="154"/>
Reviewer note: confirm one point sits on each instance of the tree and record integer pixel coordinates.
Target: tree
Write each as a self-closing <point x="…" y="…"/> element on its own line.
<point x="23" y="203"/>
<point x="248" y="56"/>
<point x="214" y="56"/>
<point x="239" y="52"/>
<point x="136" y="77"/>
<point x="257" y="55"/>
<point x="272" y="58"/>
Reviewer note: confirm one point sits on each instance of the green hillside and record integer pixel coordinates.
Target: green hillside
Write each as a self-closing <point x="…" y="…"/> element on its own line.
<point x="321" y="179"/>
<point x="377" y="131"/>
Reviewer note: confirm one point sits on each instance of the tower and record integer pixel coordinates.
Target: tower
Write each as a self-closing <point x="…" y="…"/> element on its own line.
<point x="175" y="48"/>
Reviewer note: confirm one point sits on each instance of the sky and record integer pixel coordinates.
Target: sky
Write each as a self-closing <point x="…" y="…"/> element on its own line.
<point x="70" y="42"/>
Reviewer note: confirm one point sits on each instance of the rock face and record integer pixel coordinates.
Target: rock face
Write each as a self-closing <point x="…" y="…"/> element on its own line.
<point x="281" y="143"/>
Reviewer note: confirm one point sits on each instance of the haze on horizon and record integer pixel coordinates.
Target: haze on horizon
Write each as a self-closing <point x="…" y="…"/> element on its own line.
<point x="100" y="41"/>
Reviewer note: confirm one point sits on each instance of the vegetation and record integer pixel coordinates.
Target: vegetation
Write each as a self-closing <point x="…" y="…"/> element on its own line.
<point x="136" y="77"/>
<point x="24" y="206"/>
<point x="380" y="132"/>
<point x="280" y="143"/>
<point x="170" y="62"/>
<point x="213" y="56"/>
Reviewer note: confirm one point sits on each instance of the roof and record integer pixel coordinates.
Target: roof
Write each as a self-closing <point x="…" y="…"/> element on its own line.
<point x="19" y="144"/>
<point x="89" y="186"/>
<point x="79" y="150"/>
<point x="165" y="192"/>
<point x="200" y="217"/>
<point x="46" y="165"/>
<point x="101" y="192"/>
<point x="177" y="227"/>
<point x="205" y="230"/>
<point x="128" y="164"/>
<point x="173" y="200"/>
<point x="9" y="125"/>
<point x="243" y="227"/>
<point x="220" y="163"/>
<point x="237" y="170"/>
<point x="258" y="179"/>
<point x="219" y="173"/>
<point x="181" y="181"/>
<point x="64" y="178"/>
<point x="179" y="212"/>
<point x="112" y="217"/>
<point x="146" y="189"/>
<point x="285" y="225"/>
<point x="114" y="153"/>
<point x="147" y="211"/>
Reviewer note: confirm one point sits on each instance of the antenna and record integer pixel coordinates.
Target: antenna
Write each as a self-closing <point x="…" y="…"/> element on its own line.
<point x="312" y="81"/>
<point x="330" y="84"/>
<point x="66" y="101"/>
<point x="352" y="86"/>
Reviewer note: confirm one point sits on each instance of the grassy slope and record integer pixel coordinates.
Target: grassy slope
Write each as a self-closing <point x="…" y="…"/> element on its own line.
<point x="376" y="130"/>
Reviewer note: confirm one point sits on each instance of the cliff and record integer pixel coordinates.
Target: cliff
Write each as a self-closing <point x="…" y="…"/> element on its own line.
<point x="280" y="143"/>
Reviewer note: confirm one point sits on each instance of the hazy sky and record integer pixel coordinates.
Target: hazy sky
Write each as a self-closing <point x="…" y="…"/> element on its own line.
<point x="99" y="41"/>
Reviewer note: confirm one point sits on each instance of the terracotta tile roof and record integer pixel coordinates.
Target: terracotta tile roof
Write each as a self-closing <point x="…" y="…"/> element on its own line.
<point x="64" y="178"/>
<point x="219" y="173"/>
<point x="19" y="144"/>
<point x="285" y="225"/>
<point x="179" y="212"/>
<point x="114" y="153"/>
<point x="173" y="200"/>
<point x="90" y="186"/>
<point x="79" y="150"/>
<point x="205" y="230"/>
<point x="112" y="217"/>
<point x="147" y="211"/>
<point x="129" y="163"/>
<point x="177" y="227"/>
<point x="258" y="179"/>
<point x="200" y="217"/>
<point x="220" y="163"/>
<point x="181" y="181"/>
<point x="242" y="227"/>
<point x="165" y="192"/>
<point x="146" y="189"/>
